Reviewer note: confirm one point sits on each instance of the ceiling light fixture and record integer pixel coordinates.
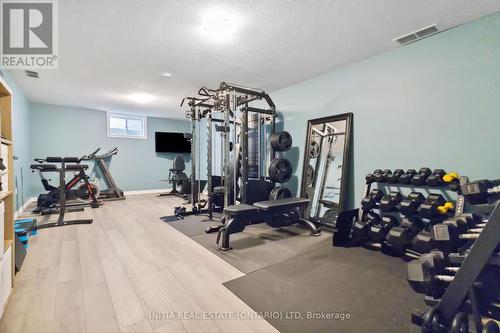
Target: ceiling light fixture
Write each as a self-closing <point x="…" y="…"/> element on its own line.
<point x="141" y="98"/>
<point x="220" y="24"/>
<point x="166" y="75"/>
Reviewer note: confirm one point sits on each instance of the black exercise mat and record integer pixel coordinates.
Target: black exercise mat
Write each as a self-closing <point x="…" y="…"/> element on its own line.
<point x="192" y="225"/>
<point x="372" y="287"/>
<point x="259" y="245"/>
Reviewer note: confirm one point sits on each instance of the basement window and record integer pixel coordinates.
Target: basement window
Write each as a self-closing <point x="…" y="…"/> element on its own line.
<point x="127" y="126"/>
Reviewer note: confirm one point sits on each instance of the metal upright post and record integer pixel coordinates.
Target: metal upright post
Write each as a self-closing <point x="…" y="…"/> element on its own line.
<point x="227" y="175"/>
<point x="273" y="130"/>
<point x="209" y="164"/>
<point x="235" y="158"/>
<point x="62" y="191"/>
<point x="193" y="154"/>
<point x="244" y="153"/>
<point x="260" y="174"/>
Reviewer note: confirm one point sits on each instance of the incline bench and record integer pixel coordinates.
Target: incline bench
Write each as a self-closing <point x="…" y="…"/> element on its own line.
<point x="275" y="213"/>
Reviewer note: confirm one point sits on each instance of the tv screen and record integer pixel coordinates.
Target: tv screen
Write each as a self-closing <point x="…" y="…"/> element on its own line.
<point x="172" y="143"/>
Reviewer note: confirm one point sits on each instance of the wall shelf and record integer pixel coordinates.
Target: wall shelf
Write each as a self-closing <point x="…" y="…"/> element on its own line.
<point x="6" y="245"/>
<point x="7" y="197"/>
<point x="4" y="195"/>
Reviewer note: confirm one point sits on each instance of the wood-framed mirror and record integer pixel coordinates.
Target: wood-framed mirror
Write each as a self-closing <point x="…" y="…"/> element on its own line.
<point x="325" y="172"/>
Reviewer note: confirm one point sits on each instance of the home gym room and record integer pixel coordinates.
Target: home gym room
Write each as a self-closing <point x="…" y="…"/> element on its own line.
<point x="250" y="166"/>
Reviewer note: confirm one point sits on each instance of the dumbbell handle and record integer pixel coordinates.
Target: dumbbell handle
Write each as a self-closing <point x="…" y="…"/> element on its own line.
<point x="444" y="278"/>
<point x="476" y="230"/>
<point x="494" y="190"/>
<point x="469" y="236"/>
<point x="452" y="269"/>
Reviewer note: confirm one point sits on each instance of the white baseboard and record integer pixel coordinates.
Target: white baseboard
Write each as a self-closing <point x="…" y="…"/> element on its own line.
<point x="23" y="207"/>
<point x="33" y="199"/>
<point x="155" y="191"/>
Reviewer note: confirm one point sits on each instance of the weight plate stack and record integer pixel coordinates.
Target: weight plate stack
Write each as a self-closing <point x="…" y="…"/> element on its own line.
<point x="281" y="141"/>
<point x="280" y="193"/>
<point x="280" y="170"/>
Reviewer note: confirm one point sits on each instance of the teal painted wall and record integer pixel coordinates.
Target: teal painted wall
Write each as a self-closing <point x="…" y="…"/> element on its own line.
<point x="22" y="144"/>
<point x="433" y="103"/>
<point x="75" y="132"/>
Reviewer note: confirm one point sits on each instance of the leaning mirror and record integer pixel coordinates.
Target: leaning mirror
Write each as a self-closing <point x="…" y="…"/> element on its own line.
<point x="326" y="166"/>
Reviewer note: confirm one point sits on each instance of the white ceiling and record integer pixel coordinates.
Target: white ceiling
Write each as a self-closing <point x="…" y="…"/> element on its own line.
<point x="113" y="48"/>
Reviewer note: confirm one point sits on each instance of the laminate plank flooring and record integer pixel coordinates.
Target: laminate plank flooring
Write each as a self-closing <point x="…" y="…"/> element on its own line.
<point x="126" y="272"/>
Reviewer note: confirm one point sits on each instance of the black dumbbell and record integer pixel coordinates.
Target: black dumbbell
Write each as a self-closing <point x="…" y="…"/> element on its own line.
<point x="422" y="242"/>
<point x="394" y="177"/>
<point x="429" y="208"/>
<point x="436" y="178"/>
<point x="371" y="200"/>
<point x="389" y="202"/>
<point x="369" y="178"/>
<point x="399" y="238"/>
<point x="471" y="220"/>
<point x="422" y="272"/>
<point x="378" y="232"/>
<point x="361" y="227"/>
<point x="421" y="176"/>
<point x="407" y="176"/>
<point x="409" y="205"/>
<point x="445" y="236"/>
<point x="380" y="176"/>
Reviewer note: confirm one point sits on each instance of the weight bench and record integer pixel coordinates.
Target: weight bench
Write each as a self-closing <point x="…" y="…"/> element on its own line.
<point x="275" y="213"/>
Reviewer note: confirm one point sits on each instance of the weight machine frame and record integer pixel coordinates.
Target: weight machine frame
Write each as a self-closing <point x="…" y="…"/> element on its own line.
<point x="227" y="99"/>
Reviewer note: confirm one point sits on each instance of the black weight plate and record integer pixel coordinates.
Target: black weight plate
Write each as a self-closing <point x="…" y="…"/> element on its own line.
<point x="281" y="141"/>
<point x="280" y="170"/>
<point x="281" y="193"/>
<point x="314" y="149"/>
<point x="309" y="175"/>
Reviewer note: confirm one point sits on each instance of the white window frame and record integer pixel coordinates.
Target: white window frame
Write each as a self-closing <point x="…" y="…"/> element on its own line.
<point x="143" y="119"/>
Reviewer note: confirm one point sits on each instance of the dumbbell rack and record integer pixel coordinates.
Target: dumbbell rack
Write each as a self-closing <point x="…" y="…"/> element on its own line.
<point x="461" y="290"/>
<point x="345" y="221"/>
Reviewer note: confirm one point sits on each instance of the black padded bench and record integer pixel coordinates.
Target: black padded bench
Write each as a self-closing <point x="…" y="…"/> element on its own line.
<point x="281" y="203"/>
<point x="52" y="167"/>
<point x="275" y="213"/>
<point x="44" y="167"/>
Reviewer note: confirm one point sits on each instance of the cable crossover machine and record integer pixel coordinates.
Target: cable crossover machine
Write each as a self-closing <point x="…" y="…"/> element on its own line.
<point x="242" y="145"/>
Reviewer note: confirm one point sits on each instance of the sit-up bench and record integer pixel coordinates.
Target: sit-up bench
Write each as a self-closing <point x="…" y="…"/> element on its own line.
<point x="275" y="213"/>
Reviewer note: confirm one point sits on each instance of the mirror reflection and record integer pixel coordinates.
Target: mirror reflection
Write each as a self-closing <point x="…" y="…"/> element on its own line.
<point x="323" y="175"/>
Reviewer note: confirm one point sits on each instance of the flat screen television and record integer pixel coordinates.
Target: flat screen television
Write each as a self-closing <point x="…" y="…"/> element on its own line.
<point x="172" y="143"/>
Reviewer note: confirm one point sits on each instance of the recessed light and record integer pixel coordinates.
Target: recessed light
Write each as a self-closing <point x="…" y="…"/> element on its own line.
<point x="141" y="98"/>
<point x="166" y="75"/>
<point x="220" y="24"/>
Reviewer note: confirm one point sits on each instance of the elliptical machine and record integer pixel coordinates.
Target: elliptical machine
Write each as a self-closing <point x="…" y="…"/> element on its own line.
<point x="78" y="188"/>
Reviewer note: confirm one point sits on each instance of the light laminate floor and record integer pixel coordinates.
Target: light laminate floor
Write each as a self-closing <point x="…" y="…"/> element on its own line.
<point x="126" y="272"/>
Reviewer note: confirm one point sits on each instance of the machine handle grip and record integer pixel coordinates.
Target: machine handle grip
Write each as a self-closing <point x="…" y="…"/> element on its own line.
<point x="71" y="159"/>
<point x="54" y="159"/>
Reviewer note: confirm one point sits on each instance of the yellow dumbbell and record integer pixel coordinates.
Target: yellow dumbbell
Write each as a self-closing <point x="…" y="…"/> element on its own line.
<point x="449" y="177"/>
<point x="445" y="208"/>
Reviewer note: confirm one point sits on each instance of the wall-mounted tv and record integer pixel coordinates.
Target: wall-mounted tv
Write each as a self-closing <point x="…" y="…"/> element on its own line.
<point x="172" y="143"/>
